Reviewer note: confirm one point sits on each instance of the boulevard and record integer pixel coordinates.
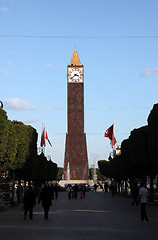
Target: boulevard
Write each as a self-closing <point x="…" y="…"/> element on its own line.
<point x="99" y="216"/>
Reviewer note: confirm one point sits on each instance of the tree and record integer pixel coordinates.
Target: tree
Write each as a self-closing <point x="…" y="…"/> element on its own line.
<point x="105" y="168"/>
<point x="51" y="169"/>
<point x="60" y="173"/>
<point x="100" y="177"/>
<point x="22" y="146"/>
<point x="4" y="133"/>
<point x="153" y="137"/>
<point x="46" y="170"/>
<point x="28" y="171"/>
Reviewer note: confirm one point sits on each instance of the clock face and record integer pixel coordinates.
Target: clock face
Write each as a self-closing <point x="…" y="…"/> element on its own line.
<point x="75" y="75"/>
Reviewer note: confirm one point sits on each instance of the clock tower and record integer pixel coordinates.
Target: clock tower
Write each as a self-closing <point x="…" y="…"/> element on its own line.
<point x="76" y="160"/>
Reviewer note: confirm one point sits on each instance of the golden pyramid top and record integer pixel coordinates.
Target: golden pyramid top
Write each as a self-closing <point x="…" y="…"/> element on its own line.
<point x="75" y="59"/>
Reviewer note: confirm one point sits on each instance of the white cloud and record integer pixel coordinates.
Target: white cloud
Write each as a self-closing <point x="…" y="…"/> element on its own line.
<point x="49" y="65"/>
<point x="4" y="70"/>
<point x="30" y="121"/>
<point x="17" y="104"/>
<point x="3" y="9"/>
<point x="150" y="72"/>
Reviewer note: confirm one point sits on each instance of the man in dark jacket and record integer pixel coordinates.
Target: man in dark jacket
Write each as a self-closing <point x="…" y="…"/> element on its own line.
<point x="45" y="197"/>
<point x="29" y="202"/>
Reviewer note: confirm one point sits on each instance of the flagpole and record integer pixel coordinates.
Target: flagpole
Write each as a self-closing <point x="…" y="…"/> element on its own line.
<point x="44" y="141"/>
<point x="114" y="145"/>
<point x="42" y="133"/>
<point x="114" y="142"/>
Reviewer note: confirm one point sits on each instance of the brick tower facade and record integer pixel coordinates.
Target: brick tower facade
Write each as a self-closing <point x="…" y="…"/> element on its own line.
<point x="76" y="160"/>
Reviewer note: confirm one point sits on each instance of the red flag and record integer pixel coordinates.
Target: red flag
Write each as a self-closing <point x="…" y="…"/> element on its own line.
<point x="109" y="132"/>
<point x="113" y="141"/>
<point x="48" y="139"/>
<point x="43" y="142"/>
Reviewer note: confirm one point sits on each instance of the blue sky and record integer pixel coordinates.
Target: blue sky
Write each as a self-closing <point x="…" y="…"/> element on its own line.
<point x="117" y="42"/>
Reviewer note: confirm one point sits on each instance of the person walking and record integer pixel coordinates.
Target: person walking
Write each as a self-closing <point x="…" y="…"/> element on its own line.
<point x="29" y="201"/>
<point x="56" y="189"/>
<point x="69" y="189"/>
<point x="113" y="189"/>
<point x="81" y="192"/>
<point x="84" y="191"/>
<point x="143" y="194"/>
<point x="45" y="197"/>
<point x="75" y="188"/>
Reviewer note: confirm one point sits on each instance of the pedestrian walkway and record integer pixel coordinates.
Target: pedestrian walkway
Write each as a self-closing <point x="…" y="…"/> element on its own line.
<point x="99" y="216"/>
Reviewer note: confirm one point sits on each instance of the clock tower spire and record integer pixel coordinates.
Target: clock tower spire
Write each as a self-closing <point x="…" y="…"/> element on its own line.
<point x="75" y="61"/>
<point x="76" y="147"/>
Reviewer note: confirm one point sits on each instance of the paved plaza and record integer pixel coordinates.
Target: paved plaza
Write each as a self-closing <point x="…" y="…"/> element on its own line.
<point x="99" y="216"/>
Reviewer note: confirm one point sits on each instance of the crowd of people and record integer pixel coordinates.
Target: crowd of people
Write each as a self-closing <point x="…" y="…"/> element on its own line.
<point x="74" y="190"/>
<point x="48" y="193"/>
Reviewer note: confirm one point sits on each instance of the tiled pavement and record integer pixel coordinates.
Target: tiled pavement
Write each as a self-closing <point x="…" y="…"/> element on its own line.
<point x="99" y="216"/>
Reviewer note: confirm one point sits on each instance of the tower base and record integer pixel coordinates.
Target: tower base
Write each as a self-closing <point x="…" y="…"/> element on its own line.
<point x="63" y="183"/>
<point x="76" y="158"/>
